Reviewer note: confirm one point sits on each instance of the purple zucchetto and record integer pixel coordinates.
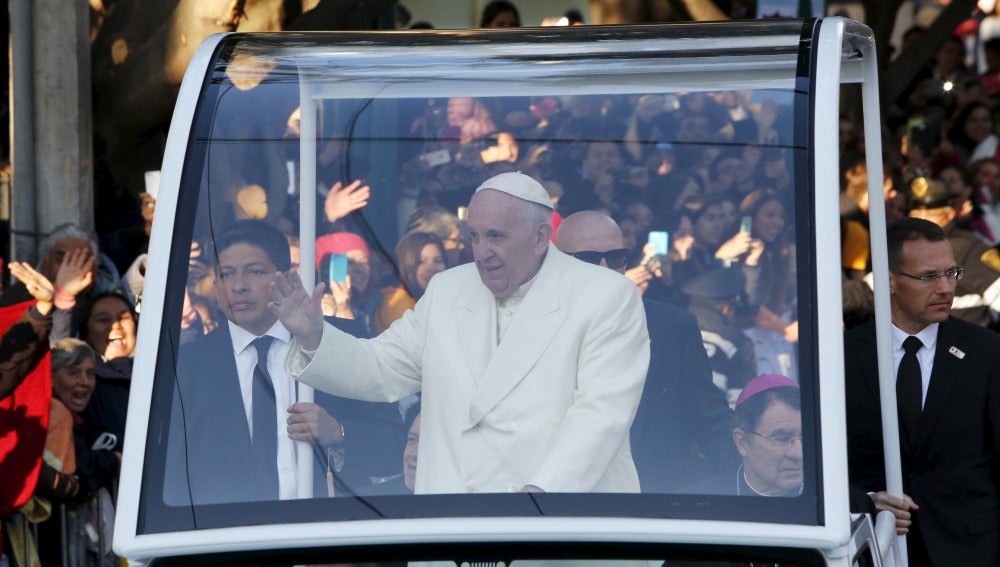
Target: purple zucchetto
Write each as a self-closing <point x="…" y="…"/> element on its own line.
<point x="762" y="383"/>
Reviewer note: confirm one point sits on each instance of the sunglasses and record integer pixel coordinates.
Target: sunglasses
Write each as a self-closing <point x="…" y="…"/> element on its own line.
<point x="616" y="259"/>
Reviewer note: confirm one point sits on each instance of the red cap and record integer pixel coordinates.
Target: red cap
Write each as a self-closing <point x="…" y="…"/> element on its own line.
<point x="339" y="243"/>
<point x="762" y="383"/>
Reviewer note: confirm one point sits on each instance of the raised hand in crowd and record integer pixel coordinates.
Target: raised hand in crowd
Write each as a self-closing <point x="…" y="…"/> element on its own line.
<point x="38" y="285"/>
<point x="21" y="344"/>
<point x="342" y="201"/>
<point x="337" y="303"/>
<point x="768" y="319"/>
<point x="735" y="247"/>
<point x="197" y="269"/>
<point x="641" y="276"/>
<point x="147" y="207"/>
<point x="754" y="253"/>
<point x="76" y="273"/>
<point x="681" y="245"/>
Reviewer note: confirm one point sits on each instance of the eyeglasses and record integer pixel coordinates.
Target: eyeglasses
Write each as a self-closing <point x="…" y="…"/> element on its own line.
<point x="952" y="275"/>
<point x="616" y="259"/>
<point x="779" y="439"/>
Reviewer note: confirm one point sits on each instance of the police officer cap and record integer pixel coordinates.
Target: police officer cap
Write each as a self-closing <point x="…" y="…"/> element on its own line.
<point x="723" y="284"/>
<point x="519" y="185"/>
<point x="929" y="194"/>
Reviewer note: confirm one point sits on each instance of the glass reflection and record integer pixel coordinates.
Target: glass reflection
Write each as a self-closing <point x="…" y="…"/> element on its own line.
<point x="697" y="187"/>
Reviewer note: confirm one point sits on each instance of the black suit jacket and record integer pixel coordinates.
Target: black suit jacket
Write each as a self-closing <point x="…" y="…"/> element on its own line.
<point x="683" y="427"/>
<point x="209" y="449"/>
<point x="951" y="471"/>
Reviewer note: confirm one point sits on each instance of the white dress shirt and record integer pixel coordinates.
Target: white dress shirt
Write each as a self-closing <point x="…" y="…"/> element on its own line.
<point x="925" y="356"/>
<point x="284" y="394"/>
<point x="508" y="306"/>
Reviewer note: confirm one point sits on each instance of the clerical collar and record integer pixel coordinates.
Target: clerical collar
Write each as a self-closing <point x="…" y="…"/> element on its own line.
<point x="518" y="296"/>
<point x="744" y="488"/>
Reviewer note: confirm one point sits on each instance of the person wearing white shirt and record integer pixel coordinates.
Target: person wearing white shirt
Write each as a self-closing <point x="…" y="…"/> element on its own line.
<point x="947" y="376"/>
<point x="234" y="420"/>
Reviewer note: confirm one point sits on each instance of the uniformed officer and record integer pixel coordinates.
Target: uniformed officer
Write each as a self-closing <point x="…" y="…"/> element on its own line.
<point x="977" y="294"/>
<point x="715" y="300"/>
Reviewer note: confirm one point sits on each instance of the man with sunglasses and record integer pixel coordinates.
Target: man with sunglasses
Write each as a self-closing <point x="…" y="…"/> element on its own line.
<point x="947" y="374"/>
<point x="681" y="431"/>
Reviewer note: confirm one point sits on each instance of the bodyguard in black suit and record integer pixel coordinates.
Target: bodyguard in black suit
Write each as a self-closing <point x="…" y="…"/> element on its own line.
<point x="217" y="450"/>
<point x="683" y="427"/>
<point x="949" y="421"/>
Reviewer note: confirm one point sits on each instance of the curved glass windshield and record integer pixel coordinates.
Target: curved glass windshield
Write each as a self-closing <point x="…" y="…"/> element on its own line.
<point x="623" y="328"/>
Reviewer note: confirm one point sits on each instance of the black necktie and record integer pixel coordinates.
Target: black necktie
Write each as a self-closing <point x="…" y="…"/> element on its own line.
<point x="909" y="388"/>
<point x="265" y="428"/>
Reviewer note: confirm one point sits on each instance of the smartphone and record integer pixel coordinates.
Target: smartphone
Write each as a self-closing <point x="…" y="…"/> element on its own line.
<point x="435" y="158"/>
<point x="658" y="240"/>
<point x="746" y="223"/>
<point x="338" y="268"/>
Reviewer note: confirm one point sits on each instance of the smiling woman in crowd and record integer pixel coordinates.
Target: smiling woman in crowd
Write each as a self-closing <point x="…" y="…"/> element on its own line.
<point x="421" y="256"/>
<point x="109" y="325"/>
<point x="73" y="470"/>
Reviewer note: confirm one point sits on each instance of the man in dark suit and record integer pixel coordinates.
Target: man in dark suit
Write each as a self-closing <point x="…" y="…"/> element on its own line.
<point x="948" y="394"/>
<point x="682" y="429"/>
<point x="235" y="417"/>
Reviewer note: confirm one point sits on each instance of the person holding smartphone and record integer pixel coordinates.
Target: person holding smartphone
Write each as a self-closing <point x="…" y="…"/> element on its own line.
<point x="715" y="245"/>
<point x="234" y="381"/>
<point x="343" y="259"/>
<point x="769" y="268"/>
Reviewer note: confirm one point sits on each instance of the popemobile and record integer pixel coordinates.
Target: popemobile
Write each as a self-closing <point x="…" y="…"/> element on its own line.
<point x="346" y="143"/>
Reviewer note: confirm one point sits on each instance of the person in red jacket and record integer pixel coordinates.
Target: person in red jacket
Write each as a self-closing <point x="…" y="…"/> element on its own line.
<point x="25" y="384"/>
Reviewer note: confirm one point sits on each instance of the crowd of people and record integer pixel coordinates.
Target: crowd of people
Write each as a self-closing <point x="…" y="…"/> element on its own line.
<point x="712" y="378"/>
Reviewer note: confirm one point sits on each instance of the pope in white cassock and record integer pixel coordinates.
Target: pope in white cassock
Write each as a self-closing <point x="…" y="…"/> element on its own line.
<point x="531" y="362"/>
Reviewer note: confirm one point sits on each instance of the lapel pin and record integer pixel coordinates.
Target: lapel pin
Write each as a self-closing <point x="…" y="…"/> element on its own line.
<point x="957" y="353"/>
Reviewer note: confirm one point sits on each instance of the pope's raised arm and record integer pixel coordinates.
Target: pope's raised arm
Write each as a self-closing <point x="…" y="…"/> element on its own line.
<point x="297" y="310"/>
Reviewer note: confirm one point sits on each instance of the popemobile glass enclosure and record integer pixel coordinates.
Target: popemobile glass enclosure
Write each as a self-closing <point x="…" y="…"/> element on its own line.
<point x="713" y="146"/>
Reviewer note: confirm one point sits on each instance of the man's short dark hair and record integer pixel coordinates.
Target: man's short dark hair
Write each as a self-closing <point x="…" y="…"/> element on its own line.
<point x="908" y="229"/>
<point x="260" y="234"/>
